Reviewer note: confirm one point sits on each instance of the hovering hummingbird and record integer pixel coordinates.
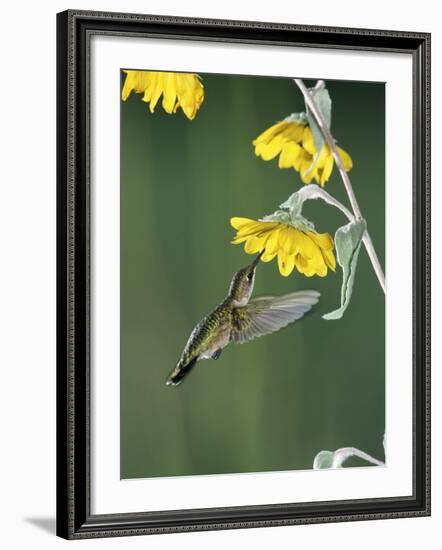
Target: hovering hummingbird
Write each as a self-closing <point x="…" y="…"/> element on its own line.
<point x="238" y="319"/>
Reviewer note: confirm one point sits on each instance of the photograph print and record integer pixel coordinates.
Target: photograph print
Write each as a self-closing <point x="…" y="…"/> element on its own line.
<point x="252" y="258"/>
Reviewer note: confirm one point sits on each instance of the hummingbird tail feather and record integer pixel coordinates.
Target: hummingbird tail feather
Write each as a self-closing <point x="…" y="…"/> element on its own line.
<point x="179" y="372"/>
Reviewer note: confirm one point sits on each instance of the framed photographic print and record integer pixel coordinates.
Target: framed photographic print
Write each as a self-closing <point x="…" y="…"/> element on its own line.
<point x="243" y="274"/>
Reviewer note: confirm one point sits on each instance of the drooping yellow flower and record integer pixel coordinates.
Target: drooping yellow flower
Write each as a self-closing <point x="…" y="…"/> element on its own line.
<point x="310" y="252"/>
<point x="293" y="142"/>
<point x="183" y="90"/>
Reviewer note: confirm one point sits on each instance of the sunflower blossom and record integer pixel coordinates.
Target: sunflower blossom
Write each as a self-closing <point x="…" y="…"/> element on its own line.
<point x="293" y="142"/>
<point x="310" y="252"/>
<point x="183" y="90"/>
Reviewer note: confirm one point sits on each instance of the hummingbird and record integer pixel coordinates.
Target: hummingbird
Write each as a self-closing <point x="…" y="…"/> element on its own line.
<point x="239" y="319"/>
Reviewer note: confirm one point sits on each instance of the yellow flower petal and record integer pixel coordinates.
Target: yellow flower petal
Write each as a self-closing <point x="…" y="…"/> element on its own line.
<point x="239" y="240"/>
<point x="313" y="169"/>
<point x="135" y="80"/>
<point x="308" y="174"/>
<point x="157" y="90"/>
<point x="321" y="270"/>
<point x="290" y="244"/>
<point x="289" y="155"/>
<point x="346" y="159"/>
<point x="286" y="263"/>
<point x="305" y="245"/>
<point x="254" y="245"/>
<point x="178" y="90"/>
<point x="190" y="93"/>
<point x="283" y="236"/>
<point x="303" y="161"/>
<point x="310" y="252"/>
<point x="268" y="151"/>
<point x="330" y="259"/>
<point x="294" y="132"/>
<point x="323" y="240"/>
<point x="295" y="145"/>
<point x="128" y="85"/>
<point x="303" y="267"/>
<point x="323" y="156"/>
<point x="255" y="228"/>
<point x="272" y="141"/>
<point x="170" y="92"/>
<point x="326" y="170"/>
<point x="308" y="142"/>
<point x="270" y="133"/>
<point x="272" y="245"/>
<point x="238" y="223"/>
<point x="317" y="263"/>
<point x="268" y="256"/>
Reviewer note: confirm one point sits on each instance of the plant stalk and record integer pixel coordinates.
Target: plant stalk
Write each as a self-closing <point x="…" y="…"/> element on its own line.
<point x="341" y="455"/>
<point x="368" y="243"/>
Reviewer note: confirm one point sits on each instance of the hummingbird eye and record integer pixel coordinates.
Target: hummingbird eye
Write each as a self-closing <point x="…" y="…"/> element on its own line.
<point x="250" y="276"/>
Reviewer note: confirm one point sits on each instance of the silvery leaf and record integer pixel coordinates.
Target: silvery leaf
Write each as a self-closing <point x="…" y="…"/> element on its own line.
<point x="331" y="460"/>
<point x="300" y="118"/>
<point x="323" y="101"/>
<point x="293" y="217"/>
<point x="323" y="460"/>
<point x="296" y="201"/>
<point x="348" y="240"/>
<point x="279" y="216"/>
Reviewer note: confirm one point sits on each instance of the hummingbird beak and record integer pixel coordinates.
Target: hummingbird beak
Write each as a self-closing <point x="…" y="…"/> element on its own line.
<point x="256" y="260"/>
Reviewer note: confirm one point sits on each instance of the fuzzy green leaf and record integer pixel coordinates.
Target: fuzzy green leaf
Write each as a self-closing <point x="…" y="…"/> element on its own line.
<point x="325" y="460"/>
<point x="323" y="101"/>
<point x="348" y="243"/>
<point x="295" y="202"/>
<point x="300" y="118"/>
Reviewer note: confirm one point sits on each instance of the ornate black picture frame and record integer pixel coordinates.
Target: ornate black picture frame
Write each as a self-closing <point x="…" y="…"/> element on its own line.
<point x="74" y="31"/>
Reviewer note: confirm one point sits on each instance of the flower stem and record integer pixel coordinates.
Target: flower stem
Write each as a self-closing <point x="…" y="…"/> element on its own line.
<point x="368" y="243"/>
<point x="341" y="455"/>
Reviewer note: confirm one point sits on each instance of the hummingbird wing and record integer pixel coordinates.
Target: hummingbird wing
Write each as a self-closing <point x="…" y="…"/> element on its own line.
<point x="268" y="314"/>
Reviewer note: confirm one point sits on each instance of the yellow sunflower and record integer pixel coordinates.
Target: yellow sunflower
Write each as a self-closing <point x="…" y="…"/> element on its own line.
<point x="310" y="252"/>
<point x="183" y="90"/>
<point x="293" y="142"/>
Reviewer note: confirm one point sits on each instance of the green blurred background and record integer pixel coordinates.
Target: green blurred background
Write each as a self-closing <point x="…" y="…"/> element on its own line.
<point x="271" y="404"/>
